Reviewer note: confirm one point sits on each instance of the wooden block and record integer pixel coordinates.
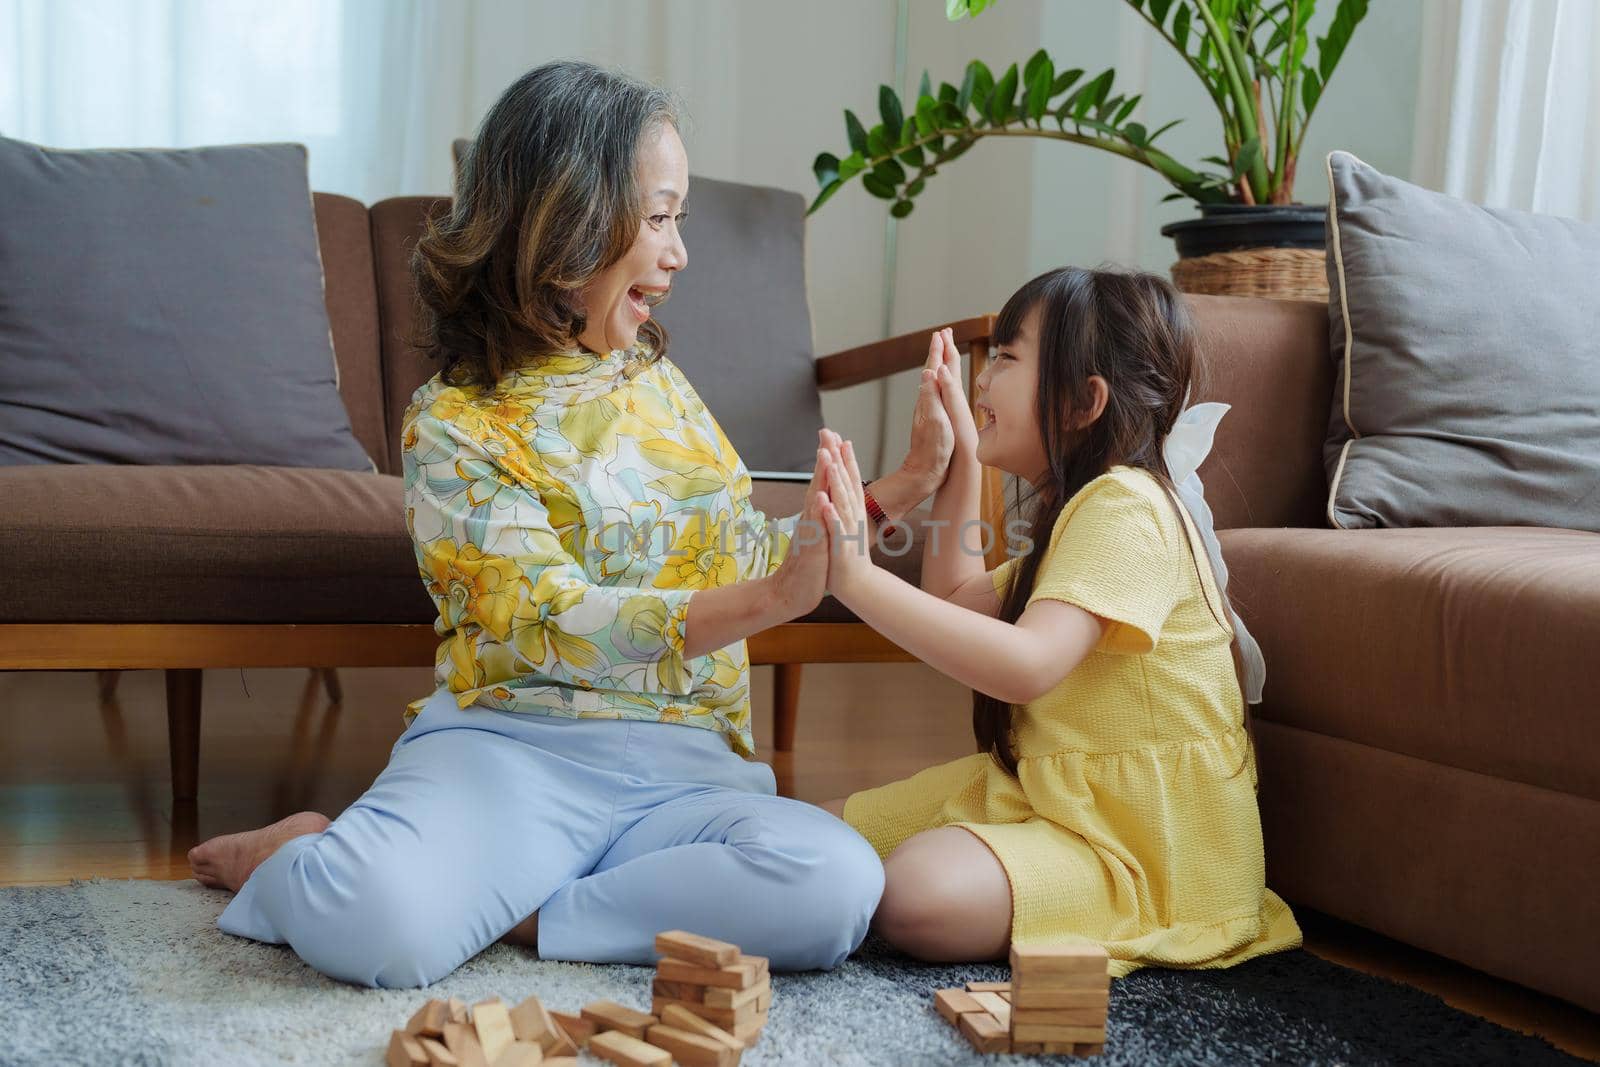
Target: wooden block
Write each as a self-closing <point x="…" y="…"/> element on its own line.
<point x="457" y="1010"/>
<point x="1059" y="1017"/>
<point x="954" y="1003"/>
<point x="609" y="1015"/>
<point x="748" y="1033"/>
<point x="987" y="987"/>
<point x="682" y="1018"/>
<point x="576" y="1028"/>
<point x="727" y="1018"/>
<point x="683" y="990"/>
<point x="1084" y="981"/>
<point x="438" y="1055"/>
<point x="405" y="1051"/>
<point x="1043" y="1048"/>
<point x="706" y="951"/>
<point x="984" y="1032"/>
<point x="1031" y="998"/>
<point x="740" y="975"/>
<point x="1064" y="958"/>
<point x="562" y="1061"/>
<point x="760" y="963"/>
<point x="991" y="1003"/>
<point x="690" y="1048"/>
<point x="531" y="1022"/>
<point x="521" y="1054"/>
<point x="1081" y="1049"/>
<point x="493" y="1024"/>
<point x="462" y="1041"/>
<point x="732" y="998"/>
<point x="1073" y="1034"/>
<point x="764" y="1001"/>
<point x="1003" y="994"/>
<point x="617" y="1047"/>
<point x="429" y="1020"/>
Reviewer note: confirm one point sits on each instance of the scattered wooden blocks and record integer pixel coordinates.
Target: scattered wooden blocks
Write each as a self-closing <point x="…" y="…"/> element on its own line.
<point x="1055" y="1003"/>
<point x="575" y="1028"/>
<point x="714" y="982"/>
<point x="711" y="999"/>
<point x="608" y="1015"/>
<point x="614" y="1046"/>
<point x="405" y="1051"/>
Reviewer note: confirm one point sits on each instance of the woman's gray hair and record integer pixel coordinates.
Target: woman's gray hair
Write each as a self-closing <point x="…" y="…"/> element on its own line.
<point x="547" y="198"/>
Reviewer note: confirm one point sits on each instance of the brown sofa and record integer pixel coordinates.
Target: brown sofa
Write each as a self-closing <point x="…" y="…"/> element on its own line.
<point x="106" y="567"/>
<point x="1428" y="760"/>
<point x="1428" y="746"/>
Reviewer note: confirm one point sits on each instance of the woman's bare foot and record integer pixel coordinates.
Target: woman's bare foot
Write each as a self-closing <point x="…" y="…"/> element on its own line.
<point x="225" y="862"/>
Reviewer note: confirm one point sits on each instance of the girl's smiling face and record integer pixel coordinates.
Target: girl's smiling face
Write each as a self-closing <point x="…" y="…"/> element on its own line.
<point x="1008" y="390"/>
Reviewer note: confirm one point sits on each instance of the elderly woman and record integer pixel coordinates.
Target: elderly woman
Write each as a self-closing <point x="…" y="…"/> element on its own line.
<point x="583" y="777"/>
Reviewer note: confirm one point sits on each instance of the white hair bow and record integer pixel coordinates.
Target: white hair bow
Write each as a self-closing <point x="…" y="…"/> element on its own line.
<point x="1185" y="448"/>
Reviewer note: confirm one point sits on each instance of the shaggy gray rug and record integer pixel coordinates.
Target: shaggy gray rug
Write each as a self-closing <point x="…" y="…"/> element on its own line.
<point x="137" y="973"/>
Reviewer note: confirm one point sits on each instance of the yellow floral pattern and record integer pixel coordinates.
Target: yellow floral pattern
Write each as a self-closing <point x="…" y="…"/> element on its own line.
<point x="563" y="520"/>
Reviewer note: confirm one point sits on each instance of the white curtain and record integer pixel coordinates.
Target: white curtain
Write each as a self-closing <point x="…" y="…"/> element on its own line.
<point x="1508" y="112"/>
<point x="375" y="89"/>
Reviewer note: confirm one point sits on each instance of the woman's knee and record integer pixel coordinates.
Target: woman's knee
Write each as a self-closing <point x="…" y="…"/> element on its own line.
<point x="831" y="901"/>
<point x="379" y="925"/>
<point x="945" y="899"/>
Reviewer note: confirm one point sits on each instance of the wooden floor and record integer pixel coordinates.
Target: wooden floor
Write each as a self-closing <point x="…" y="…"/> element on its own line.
<point x="84" y="787"/>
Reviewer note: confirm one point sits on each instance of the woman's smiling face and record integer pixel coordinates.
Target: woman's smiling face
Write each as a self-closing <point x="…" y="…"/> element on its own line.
<point x="618" y="301"/>
<point x="1008" y="388"/>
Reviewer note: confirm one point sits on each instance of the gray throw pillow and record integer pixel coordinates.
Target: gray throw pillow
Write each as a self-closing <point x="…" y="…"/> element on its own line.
<point x="1466" y="345"/>
<point x="165" y="307"/>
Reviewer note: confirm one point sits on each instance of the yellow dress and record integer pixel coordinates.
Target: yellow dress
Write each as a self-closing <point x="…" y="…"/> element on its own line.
<point x="1133" y="820"/>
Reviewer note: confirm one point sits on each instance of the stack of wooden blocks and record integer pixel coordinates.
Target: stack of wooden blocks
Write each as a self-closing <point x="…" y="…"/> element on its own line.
<point x="1055" y="1003"/>
<point x="443" y="1033"/>
<point x="713" y="980"/>
<point x="710" y="1003"/>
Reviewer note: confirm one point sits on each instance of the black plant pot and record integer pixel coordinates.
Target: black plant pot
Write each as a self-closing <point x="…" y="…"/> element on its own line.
<point x="1233" y="227"/>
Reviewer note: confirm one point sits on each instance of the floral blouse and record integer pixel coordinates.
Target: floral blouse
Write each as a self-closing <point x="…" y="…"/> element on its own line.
<point x="562" y="520"/>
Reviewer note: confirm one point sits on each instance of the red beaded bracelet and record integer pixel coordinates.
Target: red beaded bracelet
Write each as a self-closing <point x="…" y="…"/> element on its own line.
<point x="874" y="509"/>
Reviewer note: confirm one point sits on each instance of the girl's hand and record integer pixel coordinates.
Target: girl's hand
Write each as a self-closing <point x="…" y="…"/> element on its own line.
<point x="954" y="399"/>
<point x="932" y="439"/>
<point x="844" y="510"/>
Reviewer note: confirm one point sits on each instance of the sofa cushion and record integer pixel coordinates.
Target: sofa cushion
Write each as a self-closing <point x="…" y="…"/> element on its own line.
<point x="1468" y="343"/>
<point x="1473" y="648"/>
<point x="99" y="543"/>
<point x="165" y="307"/>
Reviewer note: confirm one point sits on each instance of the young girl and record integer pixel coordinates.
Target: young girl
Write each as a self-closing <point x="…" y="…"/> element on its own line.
<point x="1113" y="794"/>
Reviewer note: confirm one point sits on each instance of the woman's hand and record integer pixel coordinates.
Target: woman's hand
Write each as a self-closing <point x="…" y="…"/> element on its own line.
<point x="802" y="578"/>
<point x="932" y="439"/>
<point x="953" y="399"/>
<point x="844" y="510"/>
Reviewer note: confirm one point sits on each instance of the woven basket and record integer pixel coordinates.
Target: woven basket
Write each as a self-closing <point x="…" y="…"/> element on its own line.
<point x="1274" y="273"/>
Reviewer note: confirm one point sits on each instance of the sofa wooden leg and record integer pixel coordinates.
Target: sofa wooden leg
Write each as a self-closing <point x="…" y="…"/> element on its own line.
<point x="330" y="682"/>
<point x="183" y="732"/>
<point x="785" y="704"/>
<point x="107" y="681"/>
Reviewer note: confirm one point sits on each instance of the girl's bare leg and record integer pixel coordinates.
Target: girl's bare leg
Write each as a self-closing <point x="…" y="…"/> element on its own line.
<point x="946" y="899"/>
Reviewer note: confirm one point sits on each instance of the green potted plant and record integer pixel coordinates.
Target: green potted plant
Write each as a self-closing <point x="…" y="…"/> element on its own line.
<point x="1251" y="58"/>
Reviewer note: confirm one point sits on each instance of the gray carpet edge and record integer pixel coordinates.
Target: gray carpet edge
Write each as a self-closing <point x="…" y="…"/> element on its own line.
<point x="136" y="972"/>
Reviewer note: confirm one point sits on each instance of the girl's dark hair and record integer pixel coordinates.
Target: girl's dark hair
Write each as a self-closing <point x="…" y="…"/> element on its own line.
<point x="546" y="199"/>
<point x="1136" y="331"/>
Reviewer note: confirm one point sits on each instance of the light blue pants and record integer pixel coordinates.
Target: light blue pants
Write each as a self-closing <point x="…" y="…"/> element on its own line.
<point x="612" y="830"/>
